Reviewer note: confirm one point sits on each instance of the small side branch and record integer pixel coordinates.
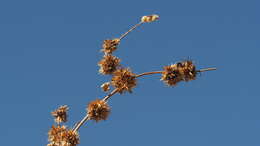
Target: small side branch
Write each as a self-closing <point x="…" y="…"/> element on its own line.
<point x="206" y="69"/>
<point x="148" y="73"/>
<point x="131" y="29"/>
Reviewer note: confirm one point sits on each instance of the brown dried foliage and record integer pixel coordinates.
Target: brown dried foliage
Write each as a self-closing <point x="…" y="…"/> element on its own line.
<point x="98" y="110"/>
<point x="124" y="80"/>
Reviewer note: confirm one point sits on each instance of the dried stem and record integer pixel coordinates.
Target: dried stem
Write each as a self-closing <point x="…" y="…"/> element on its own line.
<point x="131" y="29"/>
<point x="149" y="73"/>
<point x="110" y="94"/>
<point x="206" y="69"/>
<point x="78" y="125"/>
<point x="159" y="72"/>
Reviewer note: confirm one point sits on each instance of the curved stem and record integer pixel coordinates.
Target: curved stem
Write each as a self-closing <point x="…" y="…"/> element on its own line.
<point x="149" y="73"/>
<point x="110" y="94"/>
<point x="131" y="29"/>
<point x="78" y="125"/>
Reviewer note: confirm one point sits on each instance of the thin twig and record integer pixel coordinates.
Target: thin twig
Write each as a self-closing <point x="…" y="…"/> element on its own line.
<point x="110" y="94"/>
<point x="149" y="73"/>
<point x="206" y="69"/>
<point x="81" y="123"/>
<point x="131" y="29"/>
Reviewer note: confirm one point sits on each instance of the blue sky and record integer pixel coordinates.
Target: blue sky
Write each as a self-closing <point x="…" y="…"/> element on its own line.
<point x="49" y="52"/>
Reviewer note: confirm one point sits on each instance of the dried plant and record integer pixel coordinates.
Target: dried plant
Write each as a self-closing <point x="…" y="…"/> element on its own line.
<point x="123" y="80"/>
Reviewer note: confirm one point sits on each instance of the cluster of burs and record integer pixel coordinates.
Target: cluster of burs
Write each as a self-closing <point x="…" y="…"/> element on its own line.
<point x="122" y="80"/>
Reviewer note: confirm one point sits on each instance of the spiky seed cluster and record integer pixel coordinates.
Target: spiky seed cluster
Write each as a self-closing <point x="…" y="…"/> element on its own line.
<point x="109" y="46"/>
<point x="98" y="110"/>
<point x="60" y="114"/>
<point x="105" y="86"/>
<point x="108" y="64"/>
<point x="123" y="80"/>
<point x="61" y="136"/>
<point x="181" y="71"/>
<point x="149" y="18"/>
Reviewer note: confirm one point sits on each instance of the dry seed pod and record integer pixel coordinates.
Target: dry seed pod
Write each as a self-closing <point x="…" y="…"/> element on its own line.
<point x="124" y="80"/>
<point x="60" y="114"/>
<point x="61" y="136"/>
<point x="109" y="46"/>
<point x="108" y="64"/>
<point x="149" y="18"/>
<point x="98" y="110"/>
<point x="105" y="86"/>
<point x="181" y="71"/>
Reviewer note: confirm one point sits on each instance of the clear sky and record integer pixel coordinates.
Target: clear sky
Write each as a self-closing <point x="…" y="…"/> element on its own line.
<point x="49" y="52"/>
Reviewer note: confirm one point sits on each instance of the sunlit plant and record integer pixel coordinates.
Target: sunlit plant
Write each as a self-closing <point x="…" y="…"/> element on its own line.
<point x="122" y="80"/>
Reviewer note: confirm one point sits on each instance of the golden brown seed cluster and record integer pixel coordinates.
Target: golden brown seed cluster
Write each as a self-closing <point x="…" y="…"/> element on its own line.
<point x="60" y="115"/>
<point x="109" y="46"/>
<point x="61" y="136"/>
<point x="108" y="64"/>
<point x="98" y="110"/>
<point x="181" y="71"/>
<point x="149" y="18"/>
<point x="124" y="80"/>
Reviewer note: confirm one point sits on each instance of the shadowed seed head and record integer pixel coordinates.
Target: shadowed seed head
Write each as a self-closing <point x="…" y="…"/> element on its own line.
<point x="124" y="80"/>
<point x="108" y="64"/>
<point x="98" y="110"/>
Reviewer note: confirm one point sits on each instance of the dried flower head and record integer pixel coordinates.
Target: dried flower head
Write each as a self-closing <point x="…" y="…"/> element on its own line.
<point x="105" y="86"/>
<point x="70" y="138"/>
<point x="109" y="46"/>
<point x="124" y="80"/>
<point x="60" y="114"/>
<point x="189" y="70"/>
<point x="181" y="71"/>
<point x="108" y="64"/>
<point x="61" y="136"/>
<point x="98" y="110"/>
<point x="149" y="18"/>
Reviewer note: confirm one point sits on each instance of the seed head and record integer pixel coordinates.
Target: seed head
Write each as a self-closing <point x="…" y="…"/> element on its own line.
<point x="181" y="71"/>
<point x="105" y="86"/>
<point x="60" y="114"/>
<point x="108" y="64"/>
<point x="124" y="80"/>
<point x="61" y="136"/>
<point x="109" y="46"/>
<point x="149" y="18"/>
<point x="98" y="110"/>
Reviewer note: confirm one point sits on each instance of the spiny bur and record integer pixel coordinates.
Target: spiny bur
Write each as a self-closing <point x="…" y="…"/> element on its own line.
<point x="109" y="64"/>
<point x="181" y="71"/>
<point x="109" y="46"/>
<point x="98" y="110"/>
<point x="124" y="80"/>
<point x="61" y="136"/>
<point x="60" y="114"/>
